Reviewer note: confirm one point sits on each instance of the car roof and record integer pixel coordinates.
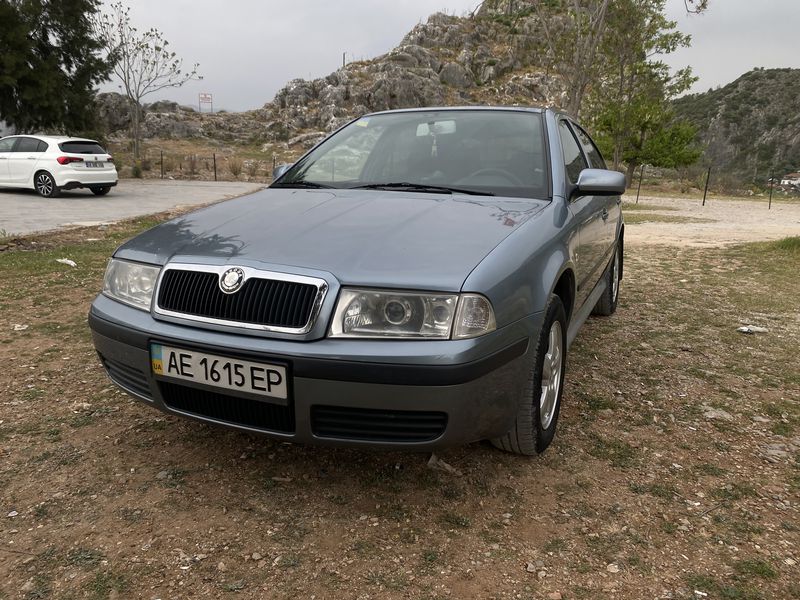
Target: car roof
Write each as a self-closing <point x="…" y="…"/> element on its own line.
<point x="533" y="109"/>
<point x="52" y="138"/>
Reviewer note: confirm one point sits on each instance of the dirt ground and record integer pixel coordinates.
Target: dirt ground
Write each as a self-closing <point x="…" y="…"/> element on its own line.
<point x="675" y="473"/>
<point x="720" y="222"/>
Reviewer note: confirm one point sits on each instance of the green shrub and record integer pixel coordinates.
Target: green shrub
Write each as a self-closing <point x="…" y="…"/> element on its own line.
<point x="789" y="244"/>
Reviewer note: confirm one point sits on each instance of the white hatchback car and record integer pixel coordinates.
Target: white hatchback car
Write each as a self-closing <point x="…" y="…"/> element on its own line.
<point x="51" y="164"/>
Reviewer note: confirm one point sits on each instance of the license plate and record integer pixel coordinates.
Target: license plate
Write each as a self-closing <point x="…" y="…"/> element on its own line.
<point x="94" y="165"/>
<point x="219" y="371"/>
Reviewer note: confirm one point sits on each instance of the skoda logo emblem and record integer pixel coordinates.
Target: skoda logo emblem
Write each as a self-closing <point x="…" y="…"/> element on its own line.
<point x="231" y="280"/>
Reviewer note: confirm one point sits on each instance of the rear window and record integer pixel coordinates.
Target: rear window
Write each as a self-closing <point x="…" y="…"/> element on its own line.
<point x="81" y="147"/>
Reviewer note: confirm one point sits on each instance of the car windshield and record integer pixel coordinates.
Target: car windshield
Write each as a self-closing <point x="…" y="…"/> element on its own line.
<point x="81" y="147"/>
<point x="483" y="152"/>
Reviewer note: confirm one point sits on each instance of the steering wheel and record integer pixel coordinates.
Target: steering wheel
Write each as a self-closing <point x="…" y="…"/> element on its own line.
<point x="495" y="171"/>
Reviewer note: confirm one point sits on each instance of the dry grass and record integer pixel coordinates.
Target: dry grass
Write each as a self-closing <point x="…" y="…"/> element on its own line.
<point x="647" y="217"/>
<point x="194" y="158"/>
<point x="235" y="166"/>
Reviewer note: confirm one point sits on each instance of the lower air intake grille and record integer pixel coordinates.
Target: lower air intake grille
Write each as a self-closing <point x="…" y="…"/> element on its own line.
<point x="126" y="376"/>
<point x="228" y="409"/>
<point x="377" y="425"/>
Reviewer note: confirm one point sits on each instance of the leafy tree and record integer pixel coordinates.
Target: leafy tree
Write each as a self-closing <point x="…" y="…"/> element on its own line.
<point x="671" y="146"/>
<point x="630" y="106"/>
<point x="49" y="64"/>
<point x="141" y="61"/>
<point x="572" y="34"/>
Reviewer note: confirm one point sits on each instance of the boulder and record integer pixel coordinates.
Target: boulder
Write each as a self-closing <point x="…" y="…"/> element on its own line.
<point x="455" y="75"/>
<point x="114" y="112"/>
<point x="162" y="106"/>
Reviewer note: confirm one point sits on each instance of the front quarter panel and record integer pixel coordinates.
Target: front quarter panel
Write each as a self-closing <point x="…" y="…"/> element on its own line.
<point x="520" y="273"/>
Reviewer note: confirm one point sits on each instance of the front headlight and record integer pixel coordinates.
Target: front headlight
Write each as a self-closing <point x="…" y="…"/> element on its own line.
<point x="131" y="283"/>
<point x="392" y="314"/>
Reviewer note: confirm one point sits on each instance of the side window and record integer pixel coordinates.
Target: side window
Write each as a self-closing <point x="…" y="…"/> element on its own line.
<point x="42" y="147"/>
<point x="595" y="158"/>
<point x="573" y="157"/>
<point x="7" y="144"/>
<point x="27" y="145"/>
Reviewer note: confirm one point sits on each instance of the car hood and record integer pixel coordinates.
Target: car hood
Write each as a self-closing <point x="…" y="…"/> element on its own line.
<point x="361" y="237"/>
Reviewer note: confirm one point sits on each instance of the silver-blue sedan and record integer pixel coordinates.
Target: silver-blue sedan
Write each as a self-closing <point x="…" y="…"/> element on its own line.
<point x="414" y="281"/>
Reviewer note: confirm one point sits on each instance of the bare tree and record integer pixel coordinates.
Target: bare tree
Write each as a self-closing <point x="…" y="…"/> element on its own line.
<point x="695" y="6"/>
<point x="142" y="61"/>
<point x="573" y="34"/>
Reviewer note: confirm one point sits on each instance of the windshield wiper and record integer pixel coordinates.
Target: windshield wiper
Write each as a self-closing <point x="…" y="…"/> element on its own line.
<point x="301" y="184"/>
<point x="419" y="187"/>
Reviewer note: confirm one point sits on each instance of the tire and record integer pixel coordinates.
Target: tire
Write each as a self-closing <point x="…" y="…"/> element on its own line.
<point x="100" y="191"/>
<point x="45" y="185"/>
<point x="537" y="416"/>
<point x="607" y="304"/>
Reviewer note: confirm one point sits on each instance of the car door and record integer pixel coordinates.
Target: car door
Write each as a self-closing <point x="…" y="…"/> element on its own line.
<point x="23" y="159"/>
<point x="6" y="144"/>
<point x="586" y="210"/>
<point x="612" y="208"/>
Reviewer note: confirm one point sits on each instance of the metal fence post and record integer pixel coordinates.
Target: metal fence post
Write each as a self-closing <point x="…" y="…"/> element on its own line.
<point x="162" y="164"/>
<point x="771" y="186"/>
<point x="639" y="189"/>
<point x="214" y="156"/>
<point x="705" y="192"/>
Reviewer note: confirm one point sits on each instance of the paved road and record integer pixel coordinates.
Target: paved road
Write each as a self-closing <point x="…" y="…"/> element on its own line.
<point x="23" y="211"/>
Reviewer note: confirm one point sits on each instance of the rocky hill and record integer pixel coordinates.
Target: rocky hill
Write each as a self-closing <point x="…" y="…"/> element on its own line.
<point x="482" y="59"/>
<point x="750" y="126"/>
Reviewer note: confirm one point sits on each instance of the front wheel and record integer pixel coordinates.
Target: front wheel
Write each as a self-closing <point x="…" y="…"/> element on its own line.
<point x="46" y="185"/>
<point x="100" y="191"/>
<point x="537" y="416"/>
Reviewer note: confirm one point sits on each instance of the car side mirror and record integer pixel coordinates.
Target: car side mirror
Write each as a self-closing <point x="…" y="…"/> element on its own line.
<point x="599" y="182"/>
<point x="280" y="170"/>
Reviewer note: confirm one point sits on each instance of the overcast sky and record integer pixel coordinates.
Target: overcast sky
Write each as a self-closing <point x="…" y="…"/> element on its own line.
<point x="248" y="49"/>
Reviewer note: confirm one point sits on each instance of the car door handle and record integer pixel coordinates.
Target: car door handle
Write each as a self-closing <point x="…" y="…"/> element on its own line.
<point x="605" y="214"/>
<point x="31" y="158"/>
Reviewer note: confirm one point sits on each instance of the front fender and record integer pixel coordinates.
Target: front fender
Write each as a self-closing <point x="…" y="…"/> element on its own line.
<point x="519" y="275"/>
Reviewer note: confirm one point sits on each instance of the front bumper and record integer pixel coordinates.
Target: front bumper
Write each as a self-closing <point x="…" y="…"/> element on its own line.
<point x="458" y="391"/>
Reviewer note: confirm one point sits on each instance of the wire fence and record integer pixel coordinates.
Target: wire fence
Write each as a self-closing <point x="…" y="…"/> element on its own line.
<point x="157" y="163"/>
<point x="707" y="182"/>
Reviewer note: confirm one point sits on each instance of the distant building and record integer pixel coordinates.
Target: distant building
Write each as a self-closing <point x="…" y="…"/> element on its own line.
<point x="791" y="179"/>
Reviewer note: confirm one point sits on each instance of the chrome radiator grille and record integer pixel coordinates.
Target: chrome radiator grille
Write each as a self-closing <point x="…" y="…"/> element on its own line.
<point x="264" y="302"/>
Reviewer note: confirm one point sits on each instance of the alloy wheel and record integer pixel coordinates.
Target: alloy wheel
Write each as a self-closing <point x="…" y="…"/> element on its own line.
<point x="44" y="184"/>
<point x="551" y="375"/>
